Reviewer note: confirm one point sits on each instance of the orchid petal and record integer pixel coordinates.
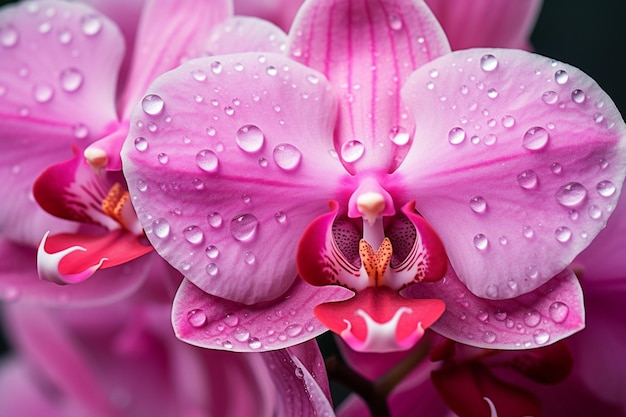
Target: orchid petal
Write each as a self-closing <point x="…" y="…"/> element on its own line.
<point x="212" y="322"/>
<point x="311" y="357"/>
<point x="520" y="164"/>
<point x="290" y="375"/>
<point x="277" y="11"/>
<point x="550" y="313"/>
<point x="209" y="184"/>
<point x="19" y="280"/>
<point x="367" y="49"/>
<point x="55" y="59"/>
<point x="246" y="34"/>
<point x="165" y="27"/>
<point x="503" y="24"/>
<point x="377" y="319"/>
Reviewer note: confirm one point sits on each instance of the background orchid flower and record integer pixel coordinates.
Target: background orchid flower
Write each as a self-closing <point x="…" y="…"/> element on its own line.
<point x="496" y="160"/>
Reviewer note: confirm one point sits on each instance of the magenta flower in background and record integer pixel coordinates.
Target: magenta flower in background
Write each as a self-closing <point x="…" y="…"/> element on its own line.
<point x="493" y="160"/>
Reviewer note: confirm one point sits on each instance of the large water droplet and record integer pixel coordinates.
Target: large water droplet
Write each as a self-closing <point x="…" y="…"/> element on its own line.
<point x="478" y="204"/>
<point x="161" y="228"/>
<point x="508" y="121"/>
<point x="399" y="135"/>
<point x="492" y="93"/>
<point x="214" y="219"/>
<point x="212" y="269"/>
<point x="561" y="77"/>
<point x="250" y="138"/>
<point x="71" y="79"/>
<point x="244" y="227"/>
<point x="196" y="317"/>
<point x="456" y="136"/>
<point x="550" y="97"/>
<point x="489" y="337"/>
<point x="527" y="179"/>
<point x="193" y="234"/>
<point x="207" y="160"/>
<point x="535" y="138"/>
<point x="480" y="241"/>
<point x="558" y="311"/>
<point x="152" y="104"/>
<point x="541" y="336"/>
<point x="578" y="96"/>
<point x="488" y="62"/>
<point x="9" y="36"/>
<point x="532" y="318"/>
<point x="571" y="194"/>
<point x="563" y="234"/>
<point x="293" y="330"/>
<point x="231" y="319"/>
<point x="42" y="93"/>
<point x="352" y="150"/>
<point x="606" y="188"/>
<point x="91" y="24"/>
<point x="254" y="343"/>
<point x="212" y="251"/>
<point x="287" y="156"/>
<point x="241" y="334"/>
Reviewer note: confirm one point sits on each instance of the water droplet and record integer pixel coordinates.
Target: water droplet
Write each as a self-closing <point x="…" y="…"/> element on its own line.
<point x="532" y="318"/>
<point x="478" y="204"/>
<point x="71" y="79"/>
<point x="535" y="138"/>
<point x="207" y="160"/>
<point x="528" y="232"/>
<point x="80" y="131"/>
<point x="214" y="219"/>
<point x="216" y="67"/>
<point x="44" y="27"/>
<point x="558" y="311"/>
<point x="212" y="251"/>
<point x="598" y="117"/>
<point x="561" y="77"/>
<point x="299" y="373"/>
<point x="531" y="272"/>
<point x="594" y="212"/>
<point x="161" y="228"/>
<point x="550" y="97"/>
<point x="254" y="343"/>
<point x="571" y="194"/>
<point x="399" y="135"/>
<point x="492" y="93"/>
<point x="193" y="234"/>
<point x="456" y="136"/>
<point x="541" y="336"/>
<point x="280" y="216"/>
<point x="527" y="179"/>
<point x="198" y="75"/>
<point x="287" y="156"/>
<point x="238" y="66"/>
<point x="395" y="22"/>
<point x="464" y="89"/>
<point x="313" y="79"/>
<point x="490" y="139"/>
<point x="573" y="215"/>
<point x="211" y="131"/>
<point x="500" y="315"/>
<point x="556" y="168"/>
<point x="263" y="162"/>
<point x="508" y="121"/>
<point x="196" y="317"/>
<point x="430" y="85"/>
<point x="512" y="284"/>
<point x="503" y="240"/>
<point x="606" y="188"/>
<point x="578" y="96"/>
<point x="141" y="185"/>
<point x="293" y="330"/>
<point x="241" y="334"/>
<point x="227" y="344"/>
<point x="91" y="24"/>
<point x="152" y="104"/>
<point x="488" y="62"/>
<point x="211" y="269"/>
<point x="603" y="163"/>
<point x="271" y="70"/>
<point x="492" y="291"/>
<point x="163" y="158"/>
<point x="231" y="319"/>
<point x="483" y="316"/>
<point x="42" y="93"/>
<point x="9" y="36"/>
<point x="229" y="110"/>
<point x="563" y="234"/>
<point x="244" y="227"/>
<point x="249" y="258"/>
<point x="250" y="138"/>
<point x="480" y="241"/>
<point x="352" y="150"/>
<point x="489" y="337"/>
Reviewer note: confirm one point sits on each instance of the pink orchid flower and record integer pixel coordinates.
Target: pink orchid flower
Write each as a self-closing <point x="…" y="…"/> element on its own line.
<point x="66" y="90"/>
<point x="466" y="180"/>
<point x="123" y="360"/>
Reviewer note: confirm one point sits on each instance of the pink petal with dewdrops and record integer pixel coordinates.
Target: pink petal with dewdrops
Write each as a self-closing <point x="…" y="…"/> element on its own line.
<point x="519" y="164"/>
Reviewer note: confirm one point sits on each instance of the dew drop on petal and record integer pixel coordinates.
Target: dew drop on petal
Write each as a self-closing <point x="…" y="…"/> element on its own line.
<point x="142" y="185"/>
<point x="531" y="272"/>
<point x="541" y="337"/>
<point x="532" y="318"/>
<point x="212" y="251"/>
<point x="227" y="344"/>
<point x="249" y="258"/>
<point x="606" y="188"/>
<point x="563" y="234"/>
<point x="280" y="216"/>
<point x="80" y="131"/>
<point x="488" y="62"/>
<point x="254" y="343"/>
<point x="198" y="75"/>
<point x="287" y="156"/>
<point x="492" y="93"/>
<point x="207" y="160"/>
<point x="578" y="96"/>
<point x="193" y="234"/>
<point x="480" y="241"/>
<point x="244" y="227"/>
<point x="490" y="139"/>
<point x="558" y="311"/>
<point x="9" y="36"/>
<point x="594" y="212"/>
<point x="508" y="121"/>
<point x="478" y="204"/>
<point x="196" y="317"/>
<point x="250" y="138"/>
<point x="352" y="150"/>
<point x="489" y="337"/>
<point x="91" y="24"/>
<point x="550" y="97"/>
<point x="556" y="168"/>
<point x="299" y="373"/>
<point x="163" y="158"/>
<point x="527" y="179"/>
<point x="535" y="138"/>
<point x="395" y="22"/>
<point x="399" y="135"/>
<point x="42" y="93"/>
<point x="231" y="319"/>
<point x="456" y="136"/>
<point x="271" y="70"/>
<point x="528" y="232"/>
<point x="571" y="194"/>
<point x="293" y="330"/>
<point x="211" y="269"/>
<point x="229" y="110"/>
<point x="152" y="104"/>
<point x="161" y="228"/>
<point x="71" y="79"/>
<point x="216" y="67"/>
<point x="561" y="77"/>
<point x="214" y="219"/>
<point x="313" y="79"/>
<point x="573" y="214"/>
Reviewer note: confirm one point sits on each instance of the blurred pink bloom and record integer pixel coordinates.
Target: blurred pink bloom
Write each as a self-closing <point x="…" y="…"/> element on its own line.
<point x="494" y="160"/>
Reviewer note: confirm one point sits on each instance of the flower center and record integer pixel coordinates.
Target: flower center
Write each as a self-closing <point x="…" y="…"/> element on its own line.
<point x="117" y="206"/>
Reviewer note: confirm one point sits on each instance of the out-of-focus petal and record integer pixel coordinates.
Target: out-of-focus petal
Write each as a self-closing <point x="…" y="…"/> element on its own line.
<point x="487" y="23"/>
<point x="520" y="164"/>
<point x="170" y="32"/>
<point x="246" y="34"/>
<point x="212" y="322"/>
<point x="543" y="316"/>
<point x="367" y="49"/>
<point x="228" y="177"/>
<point x="277" y="11"/>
